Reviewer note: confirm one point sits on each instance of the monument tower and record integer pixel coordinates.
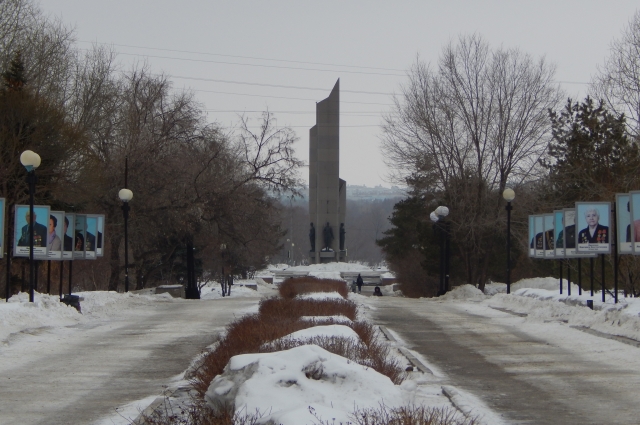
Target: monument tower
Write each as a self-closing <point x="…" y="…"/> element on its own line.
<point x="327" y="191"/>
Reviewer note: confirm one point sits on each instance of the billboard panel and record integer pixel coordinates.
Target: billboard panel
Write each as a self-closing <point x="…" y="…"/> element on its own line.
<point x="22" y="235"/>
<point x="549" y="240"/>
<point x="79" y="237"/>
<point x="635" y="221"/>
<point x="594" y="220"/>
<point x="91" y="232"/>
<point x="532" y="235"/>
<point x="558" y="227"/>
<point x="100" y="236"/>
<point x="538" y="225"/>
<point x="55" y="235"/>
<point x="68" y="232"/>
<point x="623" y="220"/>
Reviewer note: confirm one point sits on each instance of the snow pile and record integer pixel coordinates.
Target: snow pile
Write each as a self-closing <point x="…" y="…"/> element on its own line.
<point x="303" y="385"/>
<point x="320" y="296"/>
<point x="328" y="331"/>
<point x="463" y="292"/>
<point x="336" y="319"/>
<point x="332" y="267"/>
<point x="547" y="283"/>
<point x="19" y="314"/>
<point x="615" y="319"/>
<point x="326" y="275"/>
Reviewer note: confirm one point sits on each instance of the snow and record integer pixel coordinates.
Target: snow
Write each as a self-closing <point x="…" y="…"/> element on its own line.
<point x="320" y="296"/>
<point x="289" y="385"/>
<point x="307" y="384"/>
<point x="327" y="331"/>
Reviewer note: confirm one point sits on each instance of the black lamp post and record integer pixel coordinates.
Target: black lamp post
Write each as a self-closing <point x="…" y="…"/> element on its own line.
<point x="508" y="195"/>
<point x="125" y="196"/>
<point x="438" y="217"/>
<point x="31" y="161"/>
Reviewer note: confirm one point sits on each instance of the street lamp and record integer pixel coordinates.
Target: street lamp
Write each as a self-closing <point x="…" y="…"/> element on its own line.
<point x="508" y="195"/>
<point x="125" y="196"/>
<point x="31" y="161"/>
<point x="438" y="217"/>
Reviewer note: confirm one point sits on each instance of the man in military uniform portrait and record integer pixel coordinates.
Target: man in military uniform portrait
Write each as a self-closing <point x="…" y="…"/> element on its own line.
<point x="39" y="232"/>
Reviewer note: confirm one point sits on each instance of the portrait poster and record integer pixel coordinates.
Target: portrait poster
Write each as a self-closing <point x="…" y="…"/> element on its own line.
<point x="100" y="236"/>
<point x="539" y="238"/>
<point x="22" y="235"/>
<point x="79" y="235"/>
<point x="635" y="221"/>
<point x="558" y="228"/>
<point x="69" y="232"/>
<point x="532" y="235"/>
<point x="549" y="240"/>
<point x="2" y="215"/>
<point x="623" y="221"/>
<point x="91" y="232"/>
<point x="55" y="235"/>
<point x="593" y="227"/>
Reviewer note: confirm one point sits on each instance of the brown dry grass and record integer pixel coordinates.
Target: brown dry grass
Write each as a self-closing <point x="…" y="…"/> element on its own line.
<point x="409" y="415"/>
<point x="296" y="308"/>
<point x="293" y="287"/>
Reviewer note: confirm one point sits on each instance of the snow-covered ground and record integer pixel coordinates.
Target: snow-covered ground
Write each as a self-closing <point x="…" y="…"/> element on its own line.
<point x="341" y="385"/>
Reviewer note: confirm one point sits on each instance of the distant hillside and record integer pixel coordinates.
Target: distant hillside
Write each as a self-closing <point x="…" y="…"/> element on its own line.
<point x="357" y="193"/>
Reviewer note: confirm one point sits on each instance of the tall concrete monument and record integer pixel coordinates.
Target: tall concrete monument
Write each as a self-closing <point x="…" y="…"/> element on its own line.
<point x="327" y="191"/>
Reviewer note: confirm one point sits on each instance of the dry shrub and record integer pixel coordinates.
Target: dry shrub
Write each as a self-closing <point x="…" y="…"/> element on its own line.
<point x="296" y="308"/>
<point x="295" y="286"/>
<point x="409" y="415"/>
<point x="199" y="413"/>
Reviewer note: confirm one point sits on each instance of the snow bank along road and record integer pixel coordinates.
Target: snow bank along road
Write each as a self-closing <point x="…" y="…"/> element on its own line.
<point x="527" y="370"/>
<point x="78" y="374"/>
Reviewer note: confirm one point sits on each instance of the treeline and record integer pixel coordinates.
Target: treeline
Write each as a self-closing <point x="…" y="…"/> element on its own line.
<point x="482" y="119"/>
<point x="192" y="181"/>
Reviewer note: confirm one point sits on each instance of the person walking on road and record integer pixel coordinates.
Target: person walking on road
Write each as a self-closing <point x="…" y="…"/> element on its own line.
<point x="359" y="282"/>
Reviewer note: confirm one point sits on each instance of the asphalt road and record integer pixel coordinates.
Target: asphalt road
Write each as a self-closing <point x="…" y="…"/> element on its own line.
<point x="529" y="373"/>
<point x="79" y="374"/>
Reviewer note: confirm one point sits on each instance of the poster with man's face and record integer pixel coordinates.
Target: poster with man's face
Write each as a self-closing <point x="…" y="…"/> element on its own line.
<point x="593" y="230"/>
<point x="623" y="220"/>
<point x="548" y="239"/>
<point x="55" y="235"/>
<point x="538" y="225"/>
<point x="79" y="236"/>
<point x="100" y="236"/>
<point x="2" y="214"/>
<point x="570" y="250"/>
<point x="68" y="229"/>
<point x="91" y="232"/>
<point x="634" y="202"/>
<point x="558" y="231"/>
<point x="532" y="237"/>
<point x="22" y="233"/>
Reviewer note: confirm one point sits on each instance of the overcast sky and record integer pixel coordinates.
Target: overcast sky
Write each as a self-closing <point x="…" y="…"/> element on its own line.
<point x="249" y="56"/>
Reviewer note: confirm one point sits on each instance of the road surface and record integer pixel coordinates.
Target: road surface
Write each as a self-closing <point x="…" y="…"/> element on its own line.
<point x="528" y="372"/>
<point x="80" y="374"/>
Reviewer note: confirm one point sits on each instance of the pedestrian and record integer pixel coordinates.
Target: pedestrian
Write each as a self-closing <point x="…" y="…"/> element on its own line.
<point x="359" y="282"/>
<point x="377" y="292"/>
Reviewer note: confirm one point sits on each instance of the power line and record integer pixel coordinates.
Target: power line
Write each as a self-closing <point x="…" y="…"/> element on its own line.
<point x="280" y="86"/>
<point x="288" y="98"/>
<point x="256" y="65"/>
<point x="241" y="57"/>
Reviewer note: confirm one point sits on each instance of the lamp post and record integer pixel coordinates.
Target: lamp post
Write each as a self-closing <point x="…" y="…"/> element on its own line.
<point x="508" y="195"/>
<point x="31" y="161"/>
<point x="438" y="217"/>
<point x="125" y="196"/>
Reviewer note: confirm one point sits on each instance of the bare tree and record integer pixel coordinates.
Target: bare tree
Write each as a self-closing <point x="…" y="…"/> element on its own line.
<point x="467" y="129"/>
<point x="618" y="81"/>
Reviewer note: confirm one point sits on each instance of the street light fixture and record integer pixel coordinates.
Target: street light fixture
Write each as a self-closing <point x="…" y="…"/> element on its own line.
<point x="508" y="195"/>
<point x="438" y="217"/>
<point x="31" y="161"/>
<point x="125" y="196"/>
